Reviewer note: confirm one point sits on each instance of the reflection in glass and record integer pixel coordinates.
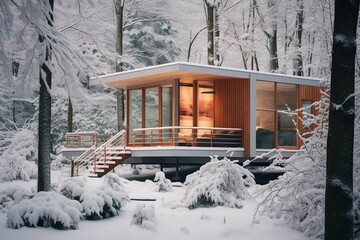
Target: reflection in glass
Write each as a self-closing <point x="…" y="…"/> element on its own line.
<point x="186" y="109"/>
<point x="205" y="106"/>
<point x="306" y="109"/>
<point x="265" y="129"/>
<point x="166" y="112"/>
<point x="265" y="95"/>
<point x="152" y="112"/>
<point x="135" y="112"/>
<point x="286" y="129"/>
<point x="286" y="96"/>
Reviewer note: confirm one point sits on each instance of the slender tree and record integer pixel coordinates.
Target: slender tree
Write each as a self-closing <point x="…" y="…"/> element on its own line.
<point x="339" y="217"/>
<point x="44" y="145"/>
<point x="297" y="59"/>
<point x="119" y="10"/>
<point x="210" y="11"/>
<point x="70" y="116"/>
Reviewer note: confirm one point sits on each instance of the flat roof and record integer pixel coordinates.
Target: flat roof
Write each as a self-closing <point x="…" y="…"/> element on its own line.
<point x="187" y="71"/>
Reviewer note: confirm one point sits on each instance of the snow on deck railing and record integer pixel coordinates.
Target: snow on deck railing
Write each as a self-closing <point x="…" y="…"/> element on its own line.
<point x="187" y="136"/>
<point x="94" y="153"/>
<point x="85" y="139"/>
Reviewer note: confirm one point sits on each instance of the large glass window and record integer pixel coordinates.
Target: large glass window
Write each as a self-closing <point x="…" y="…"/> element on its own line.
<point x="265" y="129"/>
<point x="275" y="116"/>
<point x="265" y="95"/>
<point x="135" y="111"/>
<point x="151" y="113"/>
<point x="286" y="99"/>
<point x="186" y="115"/>
<point x="167" y="112"/>
<point x="158" y="111"/>
<point x="205" y="106"/>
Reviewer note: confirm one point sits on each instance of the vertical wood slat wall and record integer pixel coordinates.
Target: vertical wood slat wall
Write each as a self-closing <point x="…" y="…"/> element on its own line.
<point x="307" y="93"/>
<point x="232" y="107"/>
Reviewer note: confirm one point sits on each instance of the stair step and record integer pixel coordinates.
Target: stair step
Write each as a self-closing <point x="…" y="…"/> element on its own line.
<point x="107" y="162"/>
<point x="99" y="171"/>
<point x="110" y="158"/>
<point x="113" y="152"/>
<point x="93" y="175"/>
<point x="102" y="166"/>
<point x="112" y="149"/>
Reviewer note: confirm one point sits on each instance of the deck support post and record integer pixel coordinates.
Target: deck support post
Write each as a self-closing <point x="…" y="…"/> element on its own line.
<point x="252" y="150"/>
<point x="177" y="178"/>
<point x="72" y="164"/>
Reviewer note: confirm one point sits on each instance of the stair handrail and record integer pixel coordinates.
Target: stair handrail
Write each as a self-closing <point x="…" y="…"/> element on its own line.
<point x="87" y="157"/>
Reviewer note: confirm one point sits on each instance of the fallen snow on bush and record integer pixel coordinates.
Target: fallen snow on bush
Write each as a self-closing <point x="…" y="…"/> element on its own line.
<point x="144" y="216"/>
<point x="13" y="195"/>
<point x="218" y="183"/>
<point x="17" y="161"/>
<point x="45" y="209"/>
<point x="97" y="203"/>
<point x="163" y="184"/>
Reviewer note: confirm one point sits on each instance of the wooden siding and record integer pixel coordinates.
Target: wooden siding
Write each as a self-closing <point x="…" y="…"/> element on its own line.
<point x="307" y="93"/>
<point x="232" y="107"/>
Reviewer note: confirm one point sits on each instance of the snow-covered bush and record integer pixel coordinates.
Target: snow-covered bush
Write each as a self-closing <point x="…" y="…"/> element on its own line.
<point x="144" y="216"/>
<point x="13" y="195"/>
<point x="73" y="188"/>
<point x="114" y="182"/>
<point x="104" y="202"/>
<point x="164" y="185"/>
<point x="17" y="161"/>
<point x="45" y="209"/>
<point x="218" y="183"/>
<point x="298" y="196"/>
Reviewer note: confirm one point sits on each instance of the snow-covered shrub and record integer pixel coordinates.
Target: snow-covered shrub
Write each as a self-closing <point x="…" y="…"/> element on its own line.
<point x="97" y="203"/>
<point x="102" y="203"/>
<point x="13" y="195"/>
<point x="17" y="161"/>
<point x="298" y="196"/>
<point x="73" y="188"/>
<point x="218" y="183"/>
<point x="144" y="216"/>
<point x="61" y="163"/>
<point x="164" y="185"/>
<point x="45" y="209"/>
<point x="114" y="182"/>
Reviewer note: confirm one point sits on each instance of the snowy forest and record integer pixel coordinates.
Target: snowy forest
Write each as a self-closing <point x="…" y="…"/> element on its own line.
<point x="50" y="49"/>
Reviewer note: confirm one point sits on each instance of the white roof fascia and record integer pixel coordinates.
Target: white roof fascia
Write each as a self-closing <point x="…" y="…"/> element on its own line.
<point x="213" y="70"/>
<point x="141" y="72"/>
<point x="204" y="69"/>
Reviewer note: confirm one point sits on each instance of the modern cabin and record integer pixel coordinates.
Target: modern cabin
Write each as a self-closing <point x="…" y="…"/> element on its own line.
<point x="184" y="111"/>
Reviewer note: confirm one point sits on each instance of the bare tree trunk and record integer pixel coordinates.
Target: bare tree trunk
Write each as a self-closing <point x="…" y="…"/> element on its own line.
<point x="44" y="142"/>
<point x="216" y="35"/>
<point x="274" y="62"/>
<point x="253" y="51"/>
<point x="297" y="59"/>
<point x="119" y="9"/>
<point x="339" y="212"/>
<point x="209" y="10"/>
<point x="191" y="42"/>
<point x="70" y="116"/>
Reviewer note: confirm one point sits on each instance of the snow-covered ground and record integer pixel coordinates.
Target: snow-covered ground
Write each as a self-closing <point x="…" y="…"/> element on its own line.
<point x="170" y="222"/>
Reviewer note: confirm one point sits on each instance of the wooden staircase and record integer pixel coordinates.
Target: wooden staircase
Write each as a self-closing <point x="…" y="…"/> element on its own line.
<point x="96" y="162"/>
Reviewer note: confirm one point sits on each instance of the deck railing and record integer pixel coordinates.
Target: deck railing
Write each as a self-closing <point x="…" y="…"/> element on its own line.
<point x="187" y="136"/>
<point x="85" y="139"/>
